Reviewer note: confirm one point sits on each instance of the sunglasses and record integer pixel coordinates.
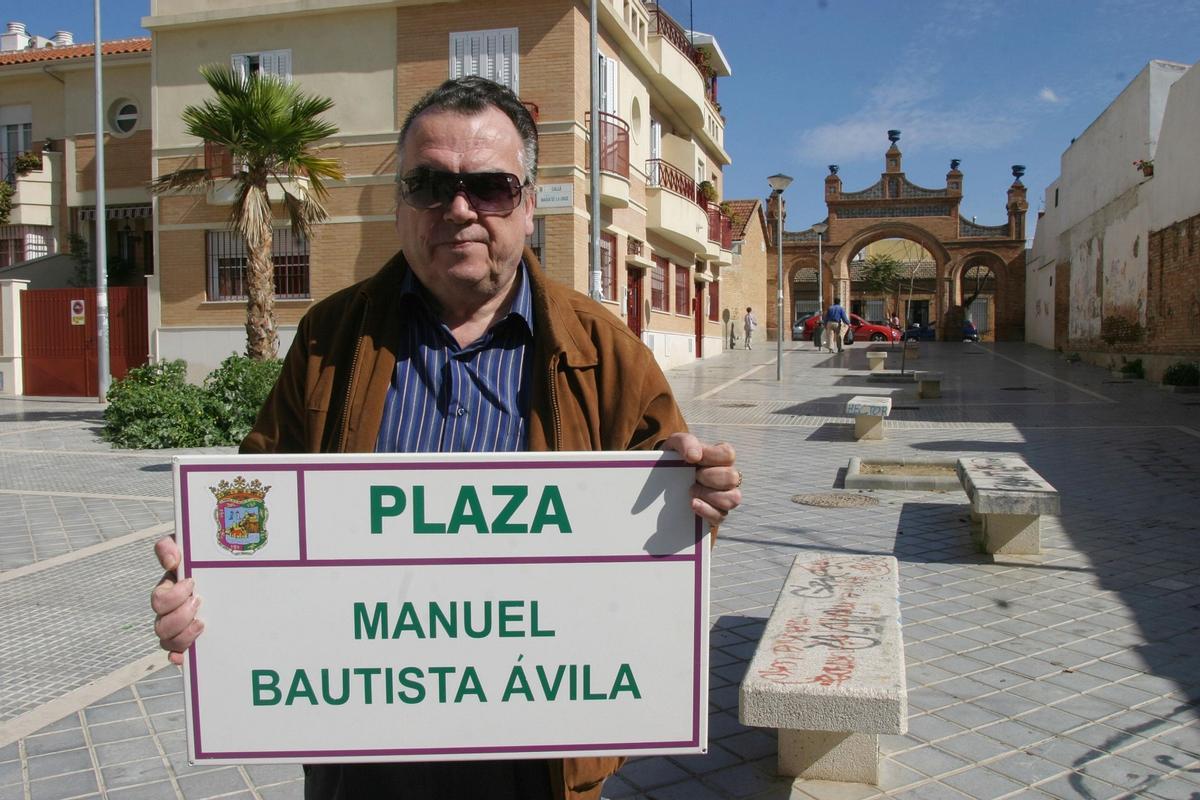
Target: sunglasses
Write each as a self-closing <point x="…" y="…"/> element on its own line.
<point x="487" y="192"/>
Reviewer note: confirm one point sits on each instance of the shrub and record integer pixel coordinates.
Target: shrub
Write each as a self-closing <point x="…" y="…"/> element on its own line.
<point x="1182" y="373"/>
<point x="1133" y="369"/>
<point x="235" y="391"/>
<point x="154" y="406"/>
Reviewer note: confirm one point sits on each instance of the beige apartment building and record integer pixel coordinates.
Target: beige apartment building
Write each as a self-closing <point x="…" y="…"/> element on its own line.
<point x="48" y="149"/>
<point x="665" y="236"/>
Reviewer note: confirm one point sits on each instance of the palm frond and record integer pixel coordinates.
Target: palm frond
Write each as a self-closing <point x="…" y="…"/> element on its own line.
<point x="181" y="179"/>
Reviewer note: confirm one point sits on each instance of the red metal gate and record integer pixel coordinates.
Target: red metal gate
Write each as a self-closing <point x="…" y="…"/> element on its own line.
<point x="60" y="355"/>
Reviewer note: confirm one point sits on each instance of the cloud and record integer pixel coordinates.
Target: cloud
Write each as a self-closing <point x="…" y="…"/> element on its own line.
<point x="1048" y="95"/>
<point x="912" y="99"/>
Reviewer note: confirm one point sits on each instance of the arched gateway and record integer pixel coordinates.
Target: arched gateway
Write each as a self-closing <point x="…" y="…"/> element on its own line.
<point x="895" y="208"/>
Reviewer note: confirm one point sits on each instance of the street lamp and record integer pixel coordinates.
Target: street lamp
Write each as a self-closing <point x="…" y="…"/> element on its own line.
<point x="779" y="182"/>
<point x="819" y="229"/>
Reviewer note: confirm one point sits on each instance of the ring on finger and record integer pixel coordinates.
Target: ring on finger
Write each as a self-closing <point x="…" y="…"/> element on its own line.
<point x="738" y="485"/>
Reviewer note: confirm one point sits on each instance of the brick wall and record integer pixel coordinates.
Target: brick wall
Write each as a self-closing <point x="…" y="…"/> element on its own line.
<point x="1173" y="289"/>
<point x="126" y="161"/>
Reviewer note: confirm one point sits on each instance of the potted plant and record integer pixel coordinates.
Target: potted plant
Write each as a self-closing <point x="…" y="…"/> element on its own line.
<point x="27" y="163"/>
<point x="1145" y="166"/>
<point x="708" y="191"/>
<point x="726" y="208"/>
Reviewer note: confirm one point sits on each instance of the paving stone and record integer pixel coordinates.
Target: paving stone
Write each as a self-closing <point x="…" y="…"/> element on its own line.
<point x="212" y="783"/>
<point x="74" y="784"/>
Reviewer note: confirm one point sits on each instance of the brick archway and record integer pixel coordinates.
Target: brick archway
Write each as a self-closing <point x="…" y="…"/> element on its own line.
<point x="894" y="207"/>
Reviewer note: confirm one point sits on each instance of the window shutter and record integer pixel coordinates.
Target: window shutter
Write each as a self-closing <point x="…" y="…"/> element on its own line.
<point x="241" y="66"/>
<point x="490" y="54"/>
<point x="609" y="85"/>
<point x="283" y="64"/>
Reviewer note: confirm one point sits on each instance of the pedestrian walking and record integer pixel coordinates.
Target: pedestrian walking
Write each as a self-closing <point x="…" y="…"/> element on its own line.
<point x="749" y="323"/>
<point x="836" y="324"/>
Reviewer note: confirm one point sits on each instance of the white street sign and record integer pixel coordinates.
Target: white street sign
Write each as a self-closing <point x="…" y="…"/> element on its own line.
<point x="418" y="607"/>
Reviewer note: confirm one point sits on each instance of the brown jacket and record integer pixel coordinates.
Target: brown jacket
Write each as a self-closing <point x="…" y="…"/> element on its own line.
<point x="595" y="387"/>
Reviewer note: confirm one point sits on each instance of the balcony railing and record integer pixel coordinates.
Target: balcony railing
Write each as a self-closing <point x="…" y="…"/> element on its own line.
<point x="614" y="143"/>
<point x="665" y="175"/>
<point x="662" y="24"/>
<point x="720" y="228"/>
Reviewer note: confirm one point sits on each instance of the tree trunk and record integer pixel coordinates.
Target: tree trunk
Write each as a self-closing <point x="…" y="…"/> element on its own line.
<point x="262" y="339"/>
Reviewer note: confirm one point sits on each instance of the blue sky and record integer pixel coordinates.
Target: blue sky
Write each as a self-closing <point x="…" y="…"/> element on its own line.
<point x="819" y="82"/>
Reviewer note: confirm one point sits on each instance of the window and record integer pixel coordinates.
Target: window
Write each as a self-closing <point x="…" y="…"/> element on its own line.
<point x="20" y="243"/>
<point x="268" y="62"/>
<point x="123" y="116"/>
<point x="658" y="284"/>
<point x="491" y="54"/>
<point x="608" y="266"/>
<point x="537" y="240"/>
<point x="714" y="301"/>
<point x="16" y="136"/>
<point x="608" y="86"/>
<point x="683" y="294"/>
<point x="227" y="265"/>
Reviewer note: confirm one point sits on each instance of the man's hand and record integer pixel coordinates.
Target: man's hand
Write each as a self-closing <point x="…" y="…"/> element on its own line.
<point x="716" y="491"/>
<point x="175" y="604"/>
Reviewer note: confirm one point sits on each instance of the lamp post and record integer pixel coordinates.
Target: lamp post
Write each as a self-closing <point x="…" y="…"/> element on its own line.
<point x="820" y="229"/>
<point x="779" y="182"/>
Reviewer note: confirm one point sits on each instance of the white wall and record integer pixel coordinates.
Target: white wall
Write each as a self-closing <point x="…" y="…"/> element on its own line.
<point x="1101" y="222"/>
<point x="204" y="348"/>
<point x="1175" y="189"/>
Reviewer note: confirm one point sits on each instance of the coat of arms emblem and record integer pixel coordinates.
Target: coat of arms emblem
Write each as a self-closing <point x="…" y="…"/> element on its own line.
<point x="241" y="515"/>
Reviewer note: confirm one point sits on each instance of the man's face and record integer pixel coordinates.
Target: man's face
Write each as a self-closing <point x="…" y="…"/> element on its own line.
<point x="460" y="255"/>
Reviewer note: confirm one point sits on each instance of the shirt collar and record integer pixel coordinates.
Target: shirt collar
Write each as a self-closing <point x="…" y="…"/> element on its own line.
<point x="522" y="305"/>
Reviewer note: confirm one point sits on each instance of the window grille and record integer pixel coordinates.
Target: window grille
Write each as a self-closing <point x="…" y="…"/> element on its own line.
<point x="608" y="266"/>
<point x="537" y="240"/>
<point x="227" y="265"/>
<point x="658" y="284"/>
<point x="683" y="282"/>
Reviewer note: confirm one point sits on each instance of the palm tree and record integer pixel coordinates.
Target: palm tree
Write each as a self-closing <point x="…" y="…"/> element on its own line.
<point x="269" y="129"/>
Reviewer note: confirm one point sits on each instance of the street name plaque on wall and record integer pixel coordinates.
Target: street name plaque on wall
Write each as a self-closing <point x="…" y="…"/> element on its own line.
<point x="416" y="607"/>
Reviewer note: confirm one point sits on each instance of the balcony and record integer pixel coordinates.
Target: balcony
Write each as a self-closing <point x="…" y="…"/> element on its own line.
<point x="681" y="76"/>
<point x="614" y="159"/>
<point x="675" y="208"/>
<point x="33" y="177"/>
<point x="720" y="237"/>
<point x="222" y="168"/>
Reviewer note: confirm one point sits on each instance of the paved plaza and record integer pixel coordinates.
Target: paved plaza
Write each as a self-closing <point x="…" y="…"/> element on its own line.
<point x="1073" y="674"/>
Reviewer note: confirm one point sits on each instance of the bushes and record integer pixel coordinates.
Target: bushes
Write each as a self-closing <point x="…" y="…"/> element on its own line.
<point x="235" y="391"/>
<point x="1182" y="373"/>
<point x="1133" y="369"/>
<point x="155" y="407"/>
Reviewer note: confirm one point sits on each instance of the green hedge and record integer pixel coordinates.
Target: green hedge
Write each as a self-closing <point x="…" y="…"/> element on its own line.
<point x="155" y="407"/>
<point x="1182" y="373"/>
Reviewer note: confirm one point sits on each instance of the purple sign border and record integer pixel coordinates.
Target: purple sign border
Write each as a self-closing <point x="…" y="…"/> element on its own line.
<point x="696" y="556"/>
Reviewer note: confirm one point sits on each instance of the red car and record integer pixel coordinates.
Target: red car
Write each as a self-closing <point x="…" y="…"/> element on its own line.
<point x="863" y="330"/>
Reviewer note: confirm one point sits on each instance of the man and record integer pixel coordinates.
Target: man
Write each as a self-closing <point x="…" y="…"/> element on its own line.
<point x="749" y="323"/>
<point x="460" y="344"/>
<point x="836" y="323"/>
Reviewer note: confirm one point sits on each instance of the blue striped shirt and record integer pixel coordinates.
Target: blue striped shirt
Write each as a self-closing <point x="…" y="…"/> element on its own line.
<point x="450" y="399"/>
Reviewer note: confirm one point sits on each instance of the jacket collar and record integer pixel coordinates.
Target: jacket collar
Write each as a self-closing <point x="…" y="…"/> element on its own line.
<point x="555" y="324"/>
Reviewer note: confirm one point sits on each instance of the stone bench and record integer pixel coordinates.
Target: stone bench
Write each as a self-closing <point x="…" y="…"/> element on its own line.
<point x="929" y="384"/>
<point x="876" y="359"/>
<point x="868" y="412"/>
<point x="1007" y="502"/>
<point x="828" y="672"/>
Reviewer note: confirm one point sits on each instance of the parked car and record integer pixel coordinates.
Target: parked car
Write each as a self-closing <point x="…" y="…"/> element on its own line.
<point x="920" y="333"/>
<point x="798" y="325"/>
<point x="860" y="329"/>
<point x="970" y="333"/>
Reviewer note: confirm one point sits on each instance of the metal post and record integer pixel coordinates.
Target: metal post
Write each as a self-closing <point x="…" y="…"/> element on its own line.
<point x="779" y="286"/>
<point x="100" y="245"/>
<point x="594" y="158"/>
<point x="778" y="183"/>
